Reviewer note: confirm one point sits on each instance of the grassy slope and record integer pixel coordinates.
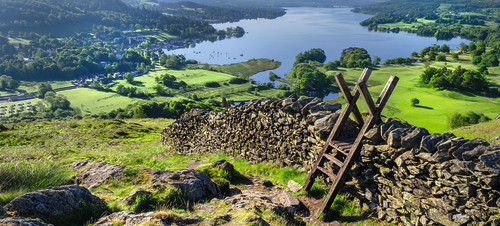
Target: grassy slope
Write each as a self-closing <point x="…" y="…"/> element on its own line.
<point x="435" y="106"/>
<point x="41" y="151"/>
<point x="486" y="130"/>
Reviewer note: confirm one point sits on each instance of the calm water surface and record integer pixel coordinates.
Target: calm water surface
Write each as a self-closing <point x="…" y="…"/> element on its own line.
<point x="301" y="29"/>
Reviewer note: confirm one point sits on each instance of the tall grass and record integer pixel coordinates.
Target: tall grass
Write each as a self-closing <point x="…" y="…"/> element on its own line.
<point x="32" y="175"/>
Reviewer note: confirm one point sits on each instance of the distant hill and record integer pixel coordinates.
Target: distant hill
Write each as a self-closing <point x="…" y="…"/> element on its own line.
<point x="427" y="6"/>
<point x="55" y="15"/>
<point x="209" y="12"/>
<point x="277" y="3"/>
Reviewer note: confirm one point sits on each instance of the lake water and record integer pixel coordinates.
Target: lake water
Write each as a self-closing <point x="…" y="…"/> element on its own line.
<point x="301" y="29"/>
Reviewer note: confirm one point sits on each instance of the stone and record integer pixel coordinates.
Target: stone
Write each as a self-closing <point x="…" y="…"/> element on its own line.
<point x="227" y="167"/>
<point x="194" y="182"/>
<point x="394" y="137"/>
<point x="429" y="143"/>
<point x="492" y="161"/>
<point x="221" y="219"/>
<point x="57" y="203"/>
<point x="474" y="153"/>
<point x="324" y="125"/>
<point x="125" y="218"/>
<point x="2" y="211"/>
<point x="388" y="127"/>
<point x="19" y="221"/>
<point x="427" y="157"/>
<point x="288" y="200"/>
<point x="413" y="138"/>
<point x="130" y="199"/>
<point x="469" y="145"/>
<point x="439" y="217"/>
<point x="461" y="219"/>
<point x="374" y="135"/>
<point x="294" y="186"/>
<point x="91" y="172"/>
<point x="256" y="221"/>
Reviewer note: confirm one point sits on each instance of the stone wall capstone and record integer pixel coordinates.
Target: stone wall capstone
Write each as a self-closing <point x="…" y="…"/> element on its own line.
<point x="404" y="173"/>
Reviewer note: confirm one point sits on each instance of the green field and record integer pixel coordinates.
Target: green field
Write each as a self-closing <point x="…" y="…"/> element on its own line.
<point x="435" y="106"/>
<point x="93" y="101"/>
<point x="30" y="87"/>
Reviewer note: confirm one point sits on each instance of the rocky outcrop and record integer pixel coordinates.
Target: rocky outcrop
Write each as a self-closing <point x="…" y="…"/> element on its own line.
<point x="19" y="221"/>
<point x="286" y="131"/>
<point x="194" y="183"/>
<point x="403" y="172"/>
<point x="71" y="203"/>
<point x="91" y="173"/>
<point x="127" y="218"/>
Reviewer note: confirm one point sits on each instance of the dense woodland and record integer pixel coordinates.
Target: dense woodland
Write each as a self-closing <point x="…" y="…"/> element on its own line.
<point x="274" y="3"/>
<point x="59" y="16"/>
<point x="211" y="13"/>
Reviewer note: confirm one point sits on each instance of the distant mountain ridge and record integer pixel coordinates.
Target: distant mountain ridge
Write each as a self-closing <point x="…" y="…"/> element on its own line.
<point x="273" y="3"/>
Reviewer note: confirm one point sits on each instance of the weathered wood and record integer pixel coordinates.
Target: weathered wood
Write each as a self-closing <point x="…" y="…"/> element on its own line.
<point x="347" y="95"/>
<point x="334" y="160"/>
<point x="349" y="148"/>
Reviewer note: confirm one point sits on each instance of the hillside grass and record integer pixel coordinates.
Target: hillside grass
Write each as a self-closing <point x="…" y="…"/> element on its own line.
<point x="435" y="105"/>
<point x="38" y="154"/>
<point x="485" y="130"/>
<point x="243" y="69"/>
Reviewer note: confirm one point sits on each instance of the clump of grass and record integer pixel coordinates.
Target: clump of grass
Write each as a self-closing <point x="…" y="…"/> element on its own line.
<point x="32" y="175"/>
<point x="167" y="196"/>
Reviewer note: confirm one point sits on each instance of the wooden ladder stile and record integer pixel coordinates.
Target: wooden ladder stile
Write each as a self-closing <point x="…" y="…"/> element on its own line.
<point x="343" y="153"/>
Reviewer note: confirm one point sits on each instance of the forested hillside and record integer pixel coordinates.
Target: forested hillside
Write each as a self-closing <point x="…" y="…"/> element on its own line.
<point x="283" y="3"/>
<point x="37" y="16"/>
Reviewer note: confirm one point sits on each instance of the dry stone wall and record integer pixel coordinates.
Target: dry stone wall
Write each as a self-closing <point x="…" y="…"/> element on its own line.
<point x="286" y="131"/>
<point x="404" y="173"/>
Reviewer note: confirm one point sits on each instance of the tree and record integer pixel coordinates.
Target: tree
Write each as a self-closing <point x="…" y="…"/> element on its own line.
<point x="57" y="101"/>
<point x="129" y="77"/>
<point x="43" y="88"/>
<point x="309" y="78"/>
<point x="441" y="57"/>
<point x="316" y="54"/>
<point x="414" y="102"/>
<point x="332" y="65"/>
<point x="273" y="76"/>
<point x="355" y="57"/>
<point x="167" y="80"/>
<point x="376" y="60"/>
<point x="444" y="48"/>
<point x="7" y="82"/>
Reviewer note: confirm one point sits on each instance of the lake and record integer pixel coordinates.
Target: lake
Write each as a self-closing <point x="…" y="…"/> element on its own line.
<point x="301" y="29"/>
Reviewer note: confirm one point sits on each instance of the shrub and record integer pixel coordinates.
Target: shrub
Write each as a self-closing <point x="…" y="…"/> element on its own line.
<point x="458" y="120"/>
<point x="238" y="81"/>
<point x="414" y="101"/>
<point x="212" y="84"/>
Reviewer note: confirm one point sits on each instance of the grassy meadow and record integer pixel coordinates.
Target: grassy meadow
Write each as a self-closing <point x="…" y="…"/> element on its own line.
<point x="435" y="105"/>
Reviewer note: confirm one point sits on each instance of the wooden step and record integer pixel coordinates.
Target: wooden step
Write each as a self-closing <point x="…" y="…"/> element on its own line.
<point x="328" y="173"/>
<point x="334" y="160"/>
<point x="343" y="146"/>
